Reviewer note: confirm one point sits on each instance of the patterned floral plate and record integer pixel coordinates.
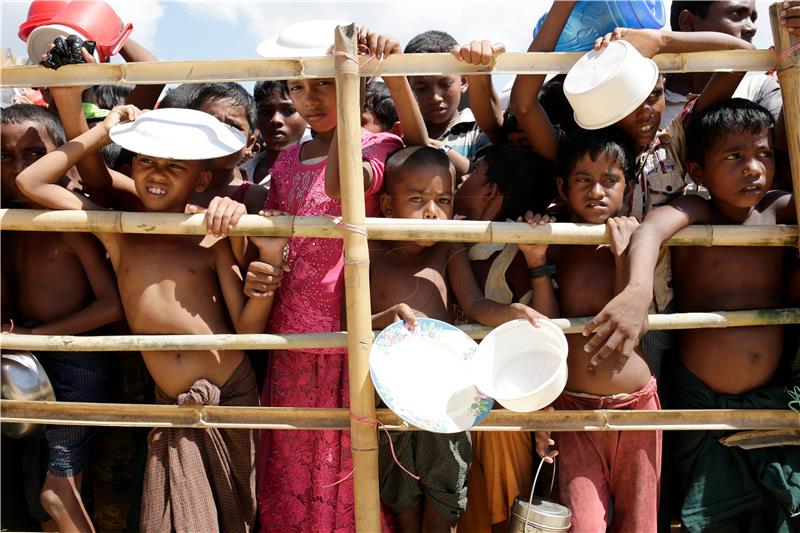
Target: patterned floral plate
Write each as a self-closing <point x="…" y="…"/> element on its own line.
<point x="423" y="376"/>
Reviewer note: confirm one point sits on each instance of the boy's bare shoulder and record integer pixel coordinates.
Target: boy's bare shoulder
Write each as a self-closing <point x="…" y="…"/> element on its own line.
<point x="781" y="204"/>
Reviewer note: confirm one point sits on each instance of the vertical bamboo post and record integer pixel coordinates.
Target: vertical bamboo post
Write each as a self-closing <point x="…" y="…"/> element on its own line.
<point x="364" y="438"/>
<point x="789" y="76"/>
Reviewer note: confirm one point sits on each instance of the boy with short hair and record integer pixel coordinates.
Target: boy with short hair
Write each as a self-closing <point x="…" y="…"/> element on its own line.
<point x="178" y="284"/>
<point x="597" y="467"/>
<point x="410" y="279"/>
<point x="279" y="124"/>
<point x="231" y="104"/>
<point x="730" y="153"/>
<point x="55" y="284"/>
<point x="380" y="114"/>
<point x="439" y="98"/>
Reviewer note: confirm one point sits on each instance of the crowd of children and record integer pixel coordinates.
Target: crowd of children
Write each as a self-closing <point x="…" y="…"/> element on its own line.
<point x="215" y="148"/>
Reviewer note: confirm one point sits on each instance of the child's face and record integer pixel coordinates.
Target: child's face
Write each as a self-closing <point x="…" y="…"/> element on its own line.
<point x="224" y="110"/>
<point x="738" y="169"/>
<point x="22" y="145"/>
<point x="165" y="185"/>
<point x="594" y="190"/>
<point x="737" y="18"/>
<point x="315" y="100"/>
<point x="642" y="125"/>
<point x="438" y="96"/>
<point x="279" y="122"/>
<point x="422" y="193"/>
<point x="476" y="195"/>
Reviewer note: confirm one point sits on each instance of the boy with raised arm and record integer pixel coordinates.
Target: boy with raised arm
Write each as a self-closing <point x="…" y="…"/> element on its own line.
<point x="178" y="284"/>
<point x="730" y="153"/>
<point x="597" y="467"/>
<point x="54" y="284"/>
<point x="409" y="279"/>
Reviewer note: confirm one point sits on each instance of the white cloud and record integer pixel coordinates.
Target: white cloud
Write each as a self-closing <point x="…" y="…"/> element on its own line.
<point x="145" y="17"/>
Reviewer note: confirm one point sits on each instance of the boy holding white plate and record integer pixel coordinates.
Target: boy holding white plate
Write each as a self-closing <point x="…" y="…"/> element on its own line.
<point x="412" y="279"/>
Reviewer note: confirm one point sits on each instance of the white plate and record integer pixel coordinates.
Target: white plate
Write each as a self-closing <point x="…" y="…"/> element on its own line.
<point x="423" y="376"/>
<point x="175" y="133"/>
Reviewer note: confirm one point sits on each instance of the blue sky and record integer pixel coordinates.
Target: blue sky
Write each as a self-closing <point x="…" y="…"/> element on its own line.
<point x="232" y="29"/>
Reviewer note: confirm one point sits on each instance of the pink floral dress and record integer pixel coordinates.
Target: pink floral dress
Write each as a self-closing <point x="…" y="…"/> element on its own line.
<point x="298" y="470"/>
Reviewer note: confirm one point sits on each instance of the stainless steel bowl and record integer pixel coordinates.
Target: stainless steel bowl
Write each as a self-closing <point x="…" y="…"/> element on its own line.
<point x="23" y="378"/>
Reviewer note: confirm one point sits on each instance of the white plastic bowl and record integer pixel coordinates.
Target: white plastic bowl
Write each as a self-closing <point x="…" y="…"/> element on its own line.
<point x="606" y="86"/>
<point x="522" y="367"/>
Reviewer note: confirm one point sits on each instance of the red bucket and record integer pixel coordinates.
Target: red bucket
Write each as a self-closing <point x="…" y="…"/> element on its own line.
<point x="91" y="19"/>
<point x="40" y="12"/>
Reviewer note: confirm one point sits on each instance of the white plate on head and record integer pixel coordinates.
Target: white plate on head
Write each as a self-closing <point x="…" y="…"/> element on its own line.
<point x="424" y="377"/>
<point x="176" y="133"/>
<point x="302" y="39"/>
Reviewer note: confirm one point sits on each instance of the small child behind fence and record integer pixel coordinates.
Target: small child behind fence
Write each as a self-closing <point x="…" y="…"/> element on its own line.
<point x="195" y="478"/>
<point x="60" y="284"/>
<point x="410" y="279"/>
<point x="597" y="468"/>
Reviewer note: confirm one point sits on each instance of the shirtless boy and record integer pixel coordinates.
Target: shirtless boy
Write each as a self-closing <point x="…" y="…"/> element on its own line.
<point x="177" y="284"/>
<point x="56" y="284"/>
<point x="412" y="278"/>
<point x="730" y="153"/>
<point x="594" y="169"/>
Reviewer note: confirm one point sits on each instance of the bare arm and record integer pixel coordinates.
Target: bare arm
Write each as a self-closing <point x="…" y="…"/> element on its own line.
<point x="525" y="93"/>
<point x="396" y="312"/>
<point x="332" y="185"/>
<point x="40" y="181"/>
<point x="622" y="322"/>
<point x="544" y="296"/>
<point x="619" y="231"/>
<point x="472" y="300"/>
<point x="106" y="187"/>
<point x="142" y="96"/>
<point x="105" y="309"/>
<point x="249" y="306"/>
<point x="483" y="100"/>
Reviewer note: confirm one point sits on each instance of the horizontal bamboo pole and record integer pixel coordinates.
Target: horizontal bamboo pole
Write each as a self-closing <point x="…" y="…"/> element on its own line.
<point x="323" y="67"/>
<point x="128" y="415"/>
<point x="393" y="229"/>
<point x="136" y="343"/>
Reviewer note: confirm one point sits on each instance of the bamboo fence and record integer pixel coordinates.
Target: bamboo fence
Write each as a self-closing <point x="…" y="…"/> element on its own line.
<point x="380" y="228"/>
<point x="144" y="343"/>
<point x="780" y="426"/>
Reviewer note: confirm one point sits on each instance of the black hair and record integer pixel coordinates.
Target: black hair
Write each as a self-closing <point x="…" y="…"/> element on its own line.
<point x="526" y="180"/>
<point x="233" y="92"/>
<point x="412" y="157"/>
<point x="728" y="117"/>
<point x="179" y="96"/>
<point x="556" y="106"/>
<point x="378" y="99"/>
<point x="20" y="113"/>
<point x="697" y="8"/>
<point x="110" y="96"/>
<point x="609" y="141"/>
<point x="263" y="89"/>
<point x="430" y="42"/>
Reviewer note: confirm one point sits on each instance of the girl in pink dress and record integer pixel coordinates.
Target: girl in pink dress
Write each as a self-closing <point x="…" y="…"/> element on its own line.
<point x="299" y="470"/>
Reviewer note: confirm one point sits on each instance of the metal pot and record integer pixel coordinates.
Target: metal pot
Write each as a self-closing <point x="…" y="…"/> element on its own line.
<point x="537" y="515"/>
<point x="23" y="378"/>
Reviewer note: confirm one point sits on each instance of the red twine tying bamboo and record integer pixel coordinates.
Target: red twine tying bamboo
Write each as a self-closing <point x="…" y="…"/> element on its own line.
<point x="783" y="55"/>
<point x="378" y="423"/>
